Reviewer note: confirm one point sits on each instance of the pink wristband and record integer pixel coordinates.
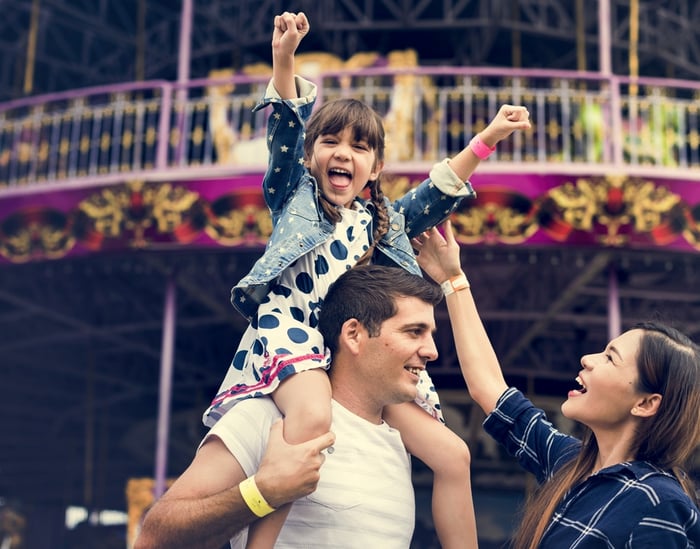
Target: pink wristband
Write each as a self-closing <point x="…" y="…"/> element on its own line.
<point x="479" y="148"/>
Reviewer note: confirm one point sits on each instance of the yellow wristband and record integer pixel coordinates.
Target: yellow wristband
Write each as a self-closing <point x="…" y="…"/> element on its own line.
<point x="253" y="498"/>
<point x="455" y="284"/>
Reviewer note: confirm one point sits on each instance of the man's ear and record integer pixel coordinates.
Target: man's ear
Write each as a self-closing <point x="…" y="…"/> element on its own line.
<point x="351" y="335"/>
<point x="647" y="406"/>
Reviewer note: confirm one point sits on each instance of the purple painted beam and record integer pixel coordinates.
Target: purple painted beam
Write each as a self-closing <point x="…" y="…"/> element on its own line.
<point x="165" y="389"/>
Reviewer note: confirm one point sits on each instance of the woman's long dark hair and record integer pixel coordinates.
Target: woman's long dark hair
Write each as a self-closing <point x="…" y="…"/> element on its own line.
<point x="668" y="363"/>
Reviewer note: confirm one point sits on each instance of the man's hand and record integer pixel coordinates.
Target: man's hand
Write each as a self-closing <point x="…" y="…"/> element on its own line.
<point x="290" y="471"/>
<point x="290" y="29"/>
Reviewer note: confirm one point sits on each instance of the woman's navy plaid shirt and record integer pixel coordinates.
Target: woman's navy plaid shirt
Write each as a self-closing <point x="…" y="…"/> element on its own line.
<point x="628" y="505"/>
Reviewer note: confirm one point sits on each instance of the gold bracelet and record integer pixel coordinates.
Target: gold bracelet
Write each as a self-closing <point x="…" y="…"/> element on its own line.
<point x="253" y="498"/>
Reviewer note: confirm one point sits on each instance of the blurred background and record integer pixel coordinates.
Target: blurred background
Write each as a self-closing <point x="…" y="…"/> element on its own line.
<point x="128" y="209"/>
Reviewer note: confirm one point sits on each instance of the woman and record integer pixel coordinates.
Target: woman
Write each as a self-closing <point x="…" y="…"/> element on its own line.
<point x="622" y="485"/>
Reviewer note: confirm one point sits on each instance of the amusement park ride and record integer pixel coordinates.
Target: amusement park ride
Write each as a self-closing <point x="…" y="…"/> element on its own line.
<point x="130" y="164"/>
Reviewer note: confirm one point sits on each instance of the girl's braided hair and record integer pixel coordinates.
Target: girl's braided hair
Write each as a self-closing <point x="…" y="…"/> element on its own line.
<point x="331" y="119"/>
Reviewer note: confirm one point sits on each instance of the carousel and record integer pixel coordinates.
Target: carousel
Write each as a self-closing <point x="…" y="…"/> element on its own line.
<point x="130" y="204"/>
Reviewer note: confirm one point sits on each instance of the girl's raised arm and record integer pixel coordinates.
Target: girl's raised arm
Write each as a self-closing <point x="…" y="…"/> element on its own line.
<point x="508" y="119"/>
<point x="290" y="29"/>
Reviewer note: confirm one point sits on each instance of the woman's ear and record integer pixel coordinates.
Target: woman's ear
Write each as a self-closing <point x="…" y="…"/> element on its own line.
<point x="647" y="406"/>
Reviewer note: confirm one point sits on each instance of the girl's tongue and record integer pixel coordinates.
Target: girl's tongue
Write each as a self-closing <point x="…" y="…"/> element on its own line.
<point x="339" y="178"/>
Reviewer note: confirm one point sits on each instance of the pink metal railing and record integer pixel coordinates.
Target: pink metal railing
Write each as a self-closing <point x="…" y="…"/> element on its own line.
<point x="582" y="122"/>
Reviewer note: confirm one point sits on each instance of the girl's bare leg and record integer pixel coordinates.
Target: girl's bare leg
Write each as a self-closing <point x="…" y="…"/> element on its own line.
<point x="449" y="458"/>
<point x="305" y="401"/>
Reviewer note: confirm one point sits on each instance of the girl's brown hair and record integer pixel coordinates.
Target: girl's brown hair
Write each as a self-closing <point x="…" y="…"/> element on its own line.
<point x="331" y="119"/>
<point x="668" y="363"/>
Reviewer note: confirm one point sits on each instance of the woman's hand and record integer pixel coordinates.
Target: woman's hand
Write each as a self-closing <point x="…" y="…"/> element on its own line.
<point x="438" y="255"/>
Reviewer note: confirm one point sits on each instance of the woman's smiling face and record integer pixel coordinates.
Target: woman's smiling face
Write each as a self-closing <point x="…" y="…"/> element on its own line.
<point x="609" y="385"/>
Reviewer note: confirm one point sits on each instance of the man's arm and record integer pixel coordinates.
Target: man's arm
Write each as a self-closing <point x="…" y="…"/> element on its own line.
<point x="204" y="508"/>
<point x="439" y="257"/>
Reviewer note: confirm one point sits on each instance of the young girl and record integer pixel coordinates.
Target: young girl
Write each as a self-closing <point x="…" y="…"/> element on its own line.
<point x="316" y="174"/>
<point x="622" y="484"/>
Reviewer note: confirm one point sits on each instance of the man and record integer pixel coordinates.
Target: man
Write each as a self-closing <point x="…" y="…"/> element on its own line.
<point x="378" y="323"/>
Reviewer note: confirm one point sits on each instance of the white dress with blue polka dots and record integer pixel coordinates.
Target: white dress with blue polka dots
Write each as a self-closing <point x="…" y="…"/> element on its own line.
<point x="283" y="339"/>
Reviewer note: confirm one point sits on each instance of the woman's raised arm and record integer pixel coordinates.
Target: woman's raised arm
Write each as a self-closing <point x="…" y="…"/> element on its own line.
<point x="439" y="257"/>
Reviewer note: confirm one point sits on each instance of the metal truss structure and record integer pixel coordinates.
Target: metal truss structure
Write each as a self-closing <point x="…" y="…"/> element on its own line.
<point x="88" y="332"/>
<point x="82" y="43"/>
<point x="81" y="346"/>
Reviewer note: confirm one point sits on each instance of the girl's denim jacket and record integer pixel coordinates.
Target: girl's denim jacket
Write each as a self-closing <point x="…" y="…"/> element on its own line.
<point x="298" y="222"/>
